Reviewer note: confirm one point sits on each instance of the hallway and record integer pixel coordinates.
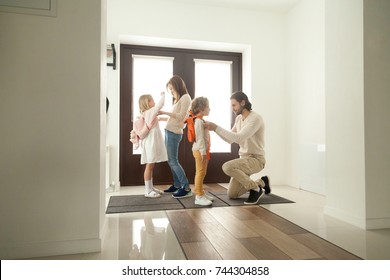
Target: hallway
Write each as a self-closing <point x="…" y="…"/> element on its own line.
<point x="125" y="232"/>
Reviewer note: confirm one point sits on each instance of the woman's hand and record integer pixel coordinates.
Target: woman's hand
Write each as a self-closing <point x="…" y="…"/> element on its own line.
<point x="164" y="119"/>
<point x="165" y="113"/>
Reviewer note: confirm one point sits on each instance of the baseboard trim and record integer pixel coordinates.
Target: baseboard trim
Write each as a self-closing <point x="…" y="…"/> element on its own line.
<point x="378" y="223"/>
<point x="367" y="224"/>
<point x="345" y="217"/>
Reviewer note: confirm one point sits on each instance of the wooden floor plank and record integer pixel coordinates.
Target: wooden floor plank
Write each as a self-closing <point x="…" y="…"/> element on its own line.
<point x="200" y="251"/>
<point x="227" y="246"/>
<point x="201" y="216"/>
<point x="234" y="225"/>
<point x="280" y="223"/>
<point x="324" y="248"/>
<point x="243" y="212"/>
<point x="262" y="249"/>
<point x="284" y="242"/>
<point x="185" y="228"/>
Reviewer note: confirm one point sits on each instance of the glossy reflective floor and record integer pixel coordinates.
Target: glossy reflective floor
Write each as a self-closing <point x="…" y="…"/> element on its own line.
<point x="148" y="235"/>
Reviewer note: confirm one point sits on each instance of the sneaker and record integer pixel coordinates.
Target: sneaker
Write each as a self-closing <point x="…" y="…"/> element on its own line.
<point x="202" y="200"/>
<point x="254" y="197"/>
<point x="152" y="194"/>
<point x="171" y="189"/>
<point x="181" y="193"/>
<point x="267" y="188"/>
<point x="209" y="196"/>
<point x="158" y="190"/>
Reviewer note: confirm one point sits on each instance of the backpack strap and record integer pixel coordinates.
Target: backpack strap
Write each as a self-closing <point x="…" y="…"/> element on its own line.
<point x="152" y="123"/>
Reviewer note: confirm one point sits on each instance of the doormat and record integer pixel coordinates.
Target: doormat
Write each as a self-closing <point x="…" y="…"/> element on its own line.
<point x="265" y="199"/>
<point x="140" y="203"/>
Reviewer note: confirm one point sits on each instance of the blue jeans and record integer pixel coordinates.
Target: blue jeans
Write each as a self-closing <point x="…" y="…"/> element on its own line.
<point x="172" y="141"/>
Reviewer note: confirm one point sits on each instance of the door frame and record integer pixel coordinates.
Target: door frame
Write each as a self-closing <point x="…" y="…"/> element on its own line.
<point x="186" y="71"/>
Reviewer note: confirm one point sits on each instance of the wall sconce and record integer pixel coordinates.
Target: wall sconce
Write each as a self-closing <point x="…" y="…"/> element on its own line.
<point x="111" y="53"/>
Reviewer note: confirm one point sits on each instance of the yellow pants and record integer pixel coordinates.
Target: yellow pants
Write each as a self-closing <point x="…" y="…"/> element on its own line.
<point x="200" y="172"/>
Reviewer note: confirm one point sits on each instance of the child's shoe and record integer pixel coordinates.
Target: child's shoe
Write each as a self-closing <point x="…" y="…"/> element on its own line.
<point x="202" y="200"/>
<point x="209" y="196"/>
<point x="152" y="194"/>
<point x="158" y="190"/>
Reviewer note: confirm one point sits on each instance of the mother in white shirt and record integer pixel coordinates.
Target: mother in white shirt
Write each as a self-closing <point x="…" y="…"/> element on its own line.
<point x="174" y="134"/>
<point x="248" y="133"/>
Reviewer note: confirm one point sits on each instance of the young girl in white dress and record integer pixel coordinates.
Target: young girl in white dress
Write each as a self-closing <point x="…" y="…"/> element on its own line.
<point x="152" y="146"/>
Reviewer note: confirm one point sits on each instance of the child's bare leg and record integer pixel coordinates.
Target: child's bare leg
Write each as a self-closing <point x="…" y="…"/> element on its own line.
<point x="148" y="173"/>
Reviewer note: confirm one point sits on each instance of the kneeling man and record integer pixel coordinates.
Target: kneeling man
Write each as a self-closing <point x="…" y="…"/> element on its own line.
<point x="248" y="133"/>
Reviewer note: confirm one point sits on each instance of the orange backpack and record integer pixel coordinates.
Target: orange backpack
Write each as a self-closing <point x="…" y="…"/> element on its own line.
<point x="190" y="121"/>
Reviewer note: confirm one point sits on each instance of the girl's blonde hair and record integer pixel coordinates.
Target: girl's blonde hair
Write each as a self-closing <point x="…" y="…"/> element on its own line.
<point x="143" y="102"/>
<point x="199" y="104"/>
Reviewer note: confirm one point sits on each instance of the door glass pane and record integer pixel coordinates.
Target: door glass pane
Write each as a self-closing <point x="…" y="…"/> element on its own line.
<point x="150" y="76"/>
<point x="213" y="80"/>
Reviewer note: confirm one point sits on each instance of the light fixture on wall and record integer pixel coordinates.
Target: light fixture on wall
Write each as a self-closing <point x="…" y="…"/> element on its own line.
<point x="111" y="53"/>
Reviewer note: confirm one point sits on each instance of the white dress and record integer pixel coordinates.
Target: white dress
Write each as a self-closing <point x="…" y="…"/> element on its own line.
<point x="153" y="146"/>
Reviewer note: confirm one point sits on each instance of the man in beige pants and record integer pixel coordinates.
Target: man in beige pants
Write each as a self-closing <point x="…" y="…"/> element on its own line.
<point x="248" y="133"/>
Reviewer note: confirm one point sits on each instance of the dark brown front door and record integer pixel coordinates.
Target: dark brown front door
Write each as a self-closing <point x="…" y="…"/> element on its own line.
<point x="131" y="171"/>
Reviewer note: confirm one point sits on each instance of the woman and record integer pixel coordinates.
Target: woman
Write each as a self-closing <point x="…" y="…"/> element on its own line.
<point x="174" y="134"/>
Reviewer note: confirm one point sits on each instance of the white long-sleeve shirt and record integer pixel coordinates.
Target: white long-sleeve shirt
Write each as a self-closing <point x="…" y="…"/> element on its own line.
<point x="248" y="133"/>
<point x="202" y="135"/>
<point x="179" y="112"/>
<point x="151" y="113"/>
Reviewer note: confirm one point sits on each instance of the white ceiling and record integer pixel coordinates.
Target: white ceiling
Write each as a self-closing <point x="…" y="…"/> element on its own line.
<point x="273" y="5"/>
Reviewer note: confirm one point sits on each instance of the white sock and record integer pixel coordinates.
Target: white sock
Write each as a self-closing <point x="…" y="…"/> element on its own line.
<point x="256" y="189"/>
<point x="148" y="186"/>
<point x="151" y="181"/>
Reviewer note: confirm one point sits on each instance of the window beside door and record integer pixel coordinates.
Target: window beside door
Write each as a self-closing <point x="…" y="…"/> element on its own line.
<point x="150" y="75"/>
<point x="213" y="79"/>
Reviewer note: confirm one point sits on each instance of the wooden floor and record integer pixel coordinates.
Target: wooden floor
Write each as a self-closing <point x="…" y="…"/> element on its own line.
<point x="247" y="233"/>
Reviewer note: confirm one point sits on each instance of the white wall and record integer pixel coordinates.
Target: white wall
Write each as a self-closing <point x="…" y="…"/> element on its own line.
<point x="376" y="111"/>
<point x="52" y="112"/>
<point x="305" y="48"/>
<point x="357" y="111"/>
<point x="50" y="163"/>
<point x="260" y="34"/>
<point x="344" y="75"/>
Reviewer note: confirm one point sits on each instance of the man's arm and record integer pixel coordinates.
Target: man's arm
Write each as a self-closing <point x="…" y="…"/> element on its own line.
<point x="233" y="136"/>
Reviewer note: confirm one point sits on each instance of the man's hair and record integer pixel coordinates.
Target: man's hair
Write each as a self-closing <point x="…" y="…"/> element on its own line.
<point x="199" y="104"/>
<point x="240" y="96"/>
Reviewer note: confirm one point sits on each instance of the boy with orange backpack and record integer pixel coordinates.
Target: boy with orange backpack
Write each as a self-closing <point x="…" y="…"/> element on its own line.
<point x="200" y="136"/>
